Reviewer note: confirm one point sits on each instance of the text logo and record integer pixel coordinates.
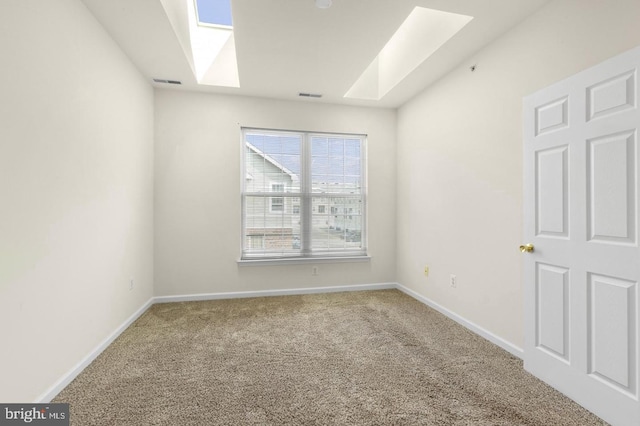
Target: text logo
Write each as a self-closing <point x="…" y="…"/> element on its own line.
<point x="34" y="414"/>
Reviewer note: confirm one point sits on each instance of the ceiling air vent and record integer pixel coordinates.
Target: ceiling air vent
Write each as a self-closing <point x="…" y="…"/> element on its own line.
<point x="310" y="95"/>
<point x="160" y="80"/>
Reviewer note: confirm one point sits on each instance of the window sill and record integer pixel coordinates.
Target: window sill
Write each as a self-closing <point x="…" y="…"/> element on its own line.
<point x="303" y="260"/>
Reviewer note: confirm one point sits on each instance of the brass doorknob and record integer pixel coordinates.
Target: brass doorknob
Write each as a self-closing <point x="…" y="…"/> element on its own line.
<point x="527" y="248"/>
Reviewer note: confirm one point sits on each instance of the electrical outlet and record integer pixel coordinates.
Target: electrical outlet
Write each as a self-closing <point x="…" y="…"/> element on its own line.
<point x="426" y="271"/>
<point x="314" y="270"/>
<point x="453" y="281"/>
<point x="130" y="283"/>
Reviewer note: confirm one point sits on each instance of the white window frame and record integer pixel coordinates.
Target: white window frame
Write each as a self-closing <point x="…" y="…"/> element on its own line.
<point x="306" y="197"/>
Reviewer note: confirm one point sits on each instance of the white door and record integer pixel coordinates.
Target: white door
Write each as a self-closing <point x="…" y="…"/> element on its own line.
<point x="581" y="189"/>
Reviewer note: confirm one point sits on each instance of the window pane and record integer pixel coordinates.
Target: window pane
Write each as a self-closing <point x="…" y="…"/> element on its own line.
<point x="269" y="232"/>
<point x="336" y="165"/>
<point x="336" y="223"/>
<point x="272" y="159"/>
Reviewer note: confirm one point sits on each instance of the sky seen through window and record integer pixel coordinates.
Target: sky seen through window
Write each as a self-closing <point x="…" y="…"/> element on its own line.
<point x="215" y="12"/>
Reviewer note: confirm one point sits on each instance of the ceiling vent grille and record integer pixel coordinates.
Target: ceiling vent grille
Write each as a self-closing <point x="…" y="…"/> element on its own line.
<point x="160" y="80"/>
<point x="310" y="95"/>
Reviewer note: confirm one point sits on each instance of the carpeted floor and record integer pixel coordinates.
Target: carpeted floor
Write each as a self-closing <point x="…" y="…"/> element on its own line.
<point x="363" y="358"/>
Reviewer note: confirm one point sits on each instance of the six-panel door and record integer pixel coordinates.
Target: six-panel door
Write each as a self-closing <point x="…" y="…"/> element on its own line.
<point x="581" y="214"/>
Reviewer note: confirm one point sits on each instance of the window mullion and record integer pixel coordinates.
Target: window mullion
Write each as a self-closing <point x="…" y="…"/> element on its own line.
<point x="305" y="199"/>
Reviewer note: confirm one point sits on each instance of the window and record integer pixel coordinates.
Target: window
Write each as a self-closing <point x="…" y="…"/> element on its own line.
<point x="277" y="203"/>
<point x="296" y="179"/>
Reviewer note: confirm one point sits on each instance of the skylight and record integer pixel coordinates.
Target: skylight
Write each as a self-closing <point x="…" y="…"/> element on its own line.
<point x="420" y="36"/>
<point x="209" y="48"/>
<point x="214" y="12"/>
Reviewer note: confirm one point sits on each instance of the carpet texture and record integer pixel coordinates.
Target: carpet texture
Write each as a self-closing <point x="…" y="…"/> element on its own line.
<point x="362" y="358"/>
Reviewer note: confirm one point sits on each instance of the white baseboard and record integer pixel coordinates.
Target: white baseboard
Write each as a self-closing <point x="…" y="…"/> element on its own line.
<point x="509" y="347"/>
<point x="54" y="390"/>
<point x="266" y="293"/>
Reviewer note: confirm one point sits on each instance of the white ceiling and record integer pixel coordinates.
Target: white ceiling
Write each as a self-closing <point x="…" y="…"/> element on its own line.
<point x="285" y="47"/>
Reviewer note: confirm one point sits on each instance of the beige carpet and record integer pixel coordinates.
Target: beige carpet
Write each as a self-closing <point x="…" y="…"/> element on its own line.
<point x="364" y="358"/>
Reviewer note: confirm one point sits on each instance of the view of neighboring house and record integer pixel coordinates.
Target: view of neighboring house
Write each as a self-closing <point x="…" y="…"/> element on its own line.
<point x="271" y="222"/>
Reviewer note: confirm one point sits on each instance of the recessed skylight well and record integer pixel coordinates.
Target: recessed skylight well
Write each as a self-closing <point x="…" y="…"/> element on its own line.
<point x="420" y="36"/>
<point x="214" y="12"/>
<point x="207" y="39"/>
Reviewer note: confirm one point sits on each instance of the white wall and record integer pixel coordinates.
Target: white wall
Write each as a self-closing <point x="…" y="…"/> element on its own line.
<point x="460" y="158"/>
<point x="197" y="192"/>
<point x="76" y="176"/>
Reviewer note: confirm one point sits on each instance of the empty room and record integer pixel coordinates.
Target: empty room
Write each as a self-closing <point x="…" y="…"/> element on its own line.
<point x="319" y="212"/>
